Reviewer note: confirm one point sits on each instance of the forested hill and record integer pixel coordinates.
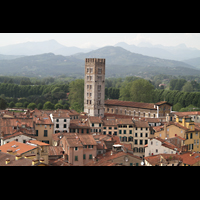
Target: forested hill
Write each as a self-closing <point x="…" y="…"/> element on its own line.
<point x="119" y="62"/>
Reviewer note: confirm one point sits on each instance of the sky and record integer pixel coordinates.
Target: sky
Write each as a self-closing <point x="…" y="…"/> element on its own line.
<point x="86" y="40"/>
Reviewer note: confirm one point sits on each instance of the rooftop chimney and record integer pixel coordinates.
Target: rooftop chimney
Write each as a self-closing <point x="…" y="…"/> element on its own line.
<point x="42" y="160"/>
<point x="9" y="151"/>
<point x="17" y="157"/>
<point x="7" y="161"/>
<point x="34" y="161"/>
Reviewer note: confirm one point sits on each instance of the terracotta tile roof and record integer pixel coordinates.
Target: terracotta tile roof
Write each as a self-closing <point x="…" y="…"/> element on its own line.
<point x="162" y="102"/>
<point x="109" y="122"/>
<point x="55" y="150"/>
<point x="38" y="143"/>
<point x="21" y="162"/>
<point x="107" y="159"/>
<point x="142" y="124"/>
<point x="155" y="160"/>
<point x="190" y="160"/>
<point x="152" y="120"/>
<point x="108" y="115"/>
<point x="76" y="123"/>
<point x="115" y="102"/>
<point x="18" y="147"/>
<point x="158" y="128"/>
<point x="87" y="140"/>
<point x="59" y="162"/>
<point x="17" y="134"/>
<point x="94" y="119"/>
<point x="101" y="145"/>
<point x="60" y="115"/>
<point x="43" y="119"/>
<point x="187" y="113"/>
<point x="68" y="112"/>
<point x="74" y="142"/>
<point x="103" y="137"/>
<point x="125" y="121"/>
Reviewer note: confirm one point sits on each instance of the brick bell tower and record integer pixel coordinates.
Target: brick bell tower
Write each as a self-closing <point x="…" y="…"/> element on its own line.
<point x="94" y="87"/>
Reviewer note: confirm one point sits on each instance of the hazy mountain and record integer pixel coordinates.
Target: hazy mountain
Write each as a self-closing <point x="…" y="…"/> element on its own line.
<point x="35" y="48"/>
<point x="179" y="52"/>
<point x="119" y="63"/>
<point x="121" y="56"/>
<point x="194" y="62"/>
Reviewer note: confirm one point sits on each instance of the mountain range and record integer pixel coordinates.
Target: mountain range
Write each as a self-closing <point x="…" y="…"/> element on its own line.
<point x="35" y="48"/>
<point x="180" y="52"/>
<point x="119" y="62"/>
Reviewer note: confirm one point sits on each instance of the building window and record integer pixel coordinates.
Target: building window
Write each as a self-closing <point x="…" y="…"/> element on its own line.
<point x="64" y="125"/>
<point x="146" y="134"/>
<point x="92" y="124"/>
<point x="120" y="131"/>
<point x="99" y="70"/>
<point x="146" y="141"/>
<point x="57" y="120"/>
<point x="75" y="148"/>
<point x="90" y="156"/>
<point x="99" y="88"/>
<point x="45" y="133"/>
<point x="84" y="156"/>
<point x="57" y="125"/>
<point x="141" y="142"/>
<point x="130" y="139"/>
<point x="76" y="158"/>
<point x="130" y="131"/>
<point x="136" y="142"/>
<point x="124" y="131"/>
<point x="141" y="135"/>
<point x="36" y="132"/>
<point x="88" y="87"/>
<point x="190" y="135"/>
<point x="135" y="134"/>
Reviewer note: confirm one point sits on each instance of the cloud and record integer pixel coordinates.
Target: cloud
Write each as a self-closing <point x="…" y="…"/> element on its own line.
<point x="137" y="39"/>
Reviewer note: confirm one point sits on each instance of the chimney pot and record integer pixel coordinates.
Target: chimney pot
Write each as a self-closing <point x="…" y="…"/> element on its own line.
<point x="9" y="151"/>
<point x="7" y="161"/>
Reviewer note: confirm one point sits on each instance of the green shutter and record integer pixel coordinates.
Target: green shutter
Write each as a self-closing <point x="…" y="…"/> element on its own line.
<point x="84" y="156"/>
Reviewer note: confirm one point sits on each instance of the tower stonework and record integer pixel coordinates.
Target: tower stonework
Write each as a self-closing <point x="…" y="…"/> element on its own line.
<point x="94" y="87"/>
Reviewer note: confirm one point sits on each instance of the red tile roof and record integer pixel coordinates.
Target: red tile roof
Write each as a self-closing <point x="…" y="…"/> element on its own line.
<point x="21" y="162"/>
<point x="162" y="102"/>
<point x="94" y="119"/>
<point x="190" y="160"/>
<point x="155" y="160"/>
<point x="18" y="147"/>
<point x="115" y="102"/>
<point x="55" y="150"/>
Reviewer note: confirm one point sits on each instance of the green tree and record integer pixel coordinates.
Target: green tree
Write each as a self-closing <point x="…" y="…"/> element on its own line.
<point x="48" y="106"/>
<point x="3" y="104"/>
<point x="39" y="106"/>
<point x="11" y="104"/>
<point x="141" y="91"/>
<point x="76" y="95"/>
<point x="31" y="106"/>
<point x="187" y="87"/>
<point x="125" y="92"/>
<point x="177" y="107"/>
<point x="58" y="106"/>
<point x="66" y="106"/>
<point x="19" y="105"/>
